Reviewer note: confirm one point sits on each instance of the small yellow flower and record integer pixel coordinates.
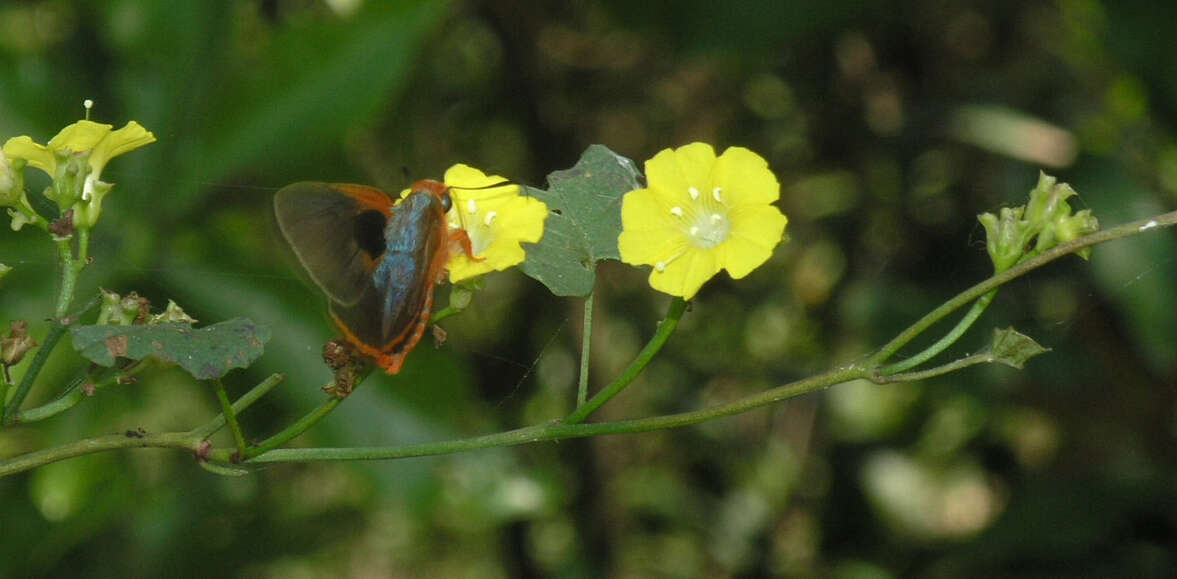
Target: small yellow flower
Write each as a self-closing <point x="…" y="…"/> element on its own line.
<point x="497" y="220"/>
<point x="700" y="214"/>
<point x="96" y="143"/>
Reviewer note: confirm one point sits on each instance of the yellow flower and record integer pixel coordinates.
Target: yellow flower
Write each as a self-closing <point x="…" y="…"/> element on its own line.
<point x="93" y="143"/>
<point x="700" y="214"/>
<point x="497" y="220"/>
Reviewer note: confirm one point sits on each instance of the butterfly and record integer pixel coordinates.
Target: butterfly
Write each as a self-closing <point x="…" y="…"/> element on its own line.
<point x="378" y="261"/>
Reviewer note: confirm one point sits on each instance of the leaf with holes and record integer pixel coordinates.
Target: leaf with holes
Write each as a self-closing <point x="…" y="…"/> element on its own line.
<point x="207" y="353"/>
<point x="585" y="221"/>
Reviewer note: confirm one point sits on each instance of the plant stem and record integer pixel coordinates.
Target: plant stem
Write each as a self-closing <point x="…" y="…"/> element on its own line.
<point x="554" y="430"/>
<point x="70" y="268"/>
<point x="560" y="430"/>
<point x="972" y="360"/>
<point x="665" y="329"/>
<point x="246" y="400"/>
<point x="69" y="278"/>
<point x="75" y="394"/>
<point x="11" y="410"/>
<point x="83" y="248"/>
<point x="292" y="431"/>
<point x="5" y="384"/>
<point x="180" y="440"/>
<point x="992" y="283"/>
<point x="72" y="396"/>
<point x="26" y="383"/>
<point x="949" y="339"/>
<point x="586" y="343"/>
<point x="231" y="418"/>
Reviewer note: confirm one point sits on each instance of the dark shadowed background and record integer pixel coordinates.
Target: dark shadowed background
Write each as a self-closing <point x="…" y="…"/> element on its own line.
<point x="889" y="125"/>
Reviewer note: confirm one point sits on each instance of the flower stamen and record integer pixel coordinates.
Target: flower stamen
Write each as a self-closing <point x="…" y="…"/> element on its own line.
<point x="694" y="193"/>
<point x="660" y="266"/>
<point x="676" y="211"/>
<point x="490" y="217"/>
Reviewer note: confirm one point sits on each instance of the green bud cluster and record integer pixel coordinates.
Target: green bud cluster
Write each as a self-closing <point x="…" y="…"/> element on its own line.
<point x="1022" y="232"/>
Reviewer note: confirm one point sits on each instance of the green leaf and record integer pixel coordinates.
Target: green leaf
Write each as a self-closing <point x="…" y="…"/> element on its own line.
<point x="207" y="353"/>
<point x="582" y="229"/>
<point x="1013" y="348"/>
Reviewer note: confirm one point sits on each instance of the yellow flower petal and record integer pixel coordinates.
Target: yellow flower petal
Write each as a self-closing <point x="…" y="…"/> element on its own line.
<point x="465" y="176"/>
<point x="684" y="276"/>
<point x="497" y="220"/>
<point x="756" y="231"/>
<point x="130" y="137"/>
<point x="462" y="267"/>
<point x="649" y="232"/>
<point x="675" y="171"/>
<point x="37" y="155"/>
<point x="525" y="218"/>
<point x="745" y="178"/>
<point x="80" y="136"/>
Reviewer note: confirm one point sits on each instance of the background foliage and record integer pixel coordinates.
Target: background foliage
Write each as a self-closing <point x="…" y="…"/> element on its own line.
<point x="890" y="126"/>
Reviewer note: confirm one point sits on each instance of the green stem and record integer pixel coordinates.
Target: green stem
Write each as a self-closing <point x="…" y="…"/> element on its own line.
<point x="231" y="418"/>
<point x="563" y="429"/>
<point x="586" y="342"/>
<point x="72" y="396"/>
<point x="5" y="384"/>
<point x="459" y="300"/>
<point x="444" y="313"/>
<point x="665" y="329"/>
<point x="292" y="431"/>
<point x="26" y="383"/>
<point x="972" y="360"/>
<point x="980" y="289"/>
<point x="69" y="278"/>
<point x="240" y="405"/>
<point x="949" y="339"/>
<point x="83" y="249"/>
<point x="180" y="440"/>
<point x="560" y="430"/>
<point x="75" y="393"/>
<point x="222" y="469"/>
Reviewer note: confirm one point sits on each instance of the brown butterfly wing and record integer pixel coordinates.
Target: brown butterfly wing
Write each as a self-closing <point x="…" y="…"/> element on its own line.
<point x="336" y="232"/>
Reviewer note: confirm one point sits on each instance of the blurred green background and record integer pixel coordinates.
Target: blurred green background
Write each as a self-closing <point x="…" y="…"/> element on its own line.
<point x="889" y="125"/>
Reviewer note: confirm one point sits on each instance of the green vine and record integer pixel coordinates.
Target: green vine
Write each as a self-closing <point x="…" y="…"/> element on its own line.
<point x="595" y="211"/>
<point x="871" y="368"/>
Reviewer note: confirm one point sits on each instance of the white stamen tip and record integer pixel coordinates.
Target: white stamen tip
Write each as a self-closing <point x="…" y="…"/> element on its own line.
<point x="676" y="211"/>
<point x="694" y="193"/>
<point x="1151" y="224"/>
<point x="490" y="217"/>
<point x="716" y="194"/>
<point x="660" y="266"/>
<point x="715" y="217"/>
<point x="471" y="206"/>
<point x="88" y="103"/>
<point x="694" y="230"/>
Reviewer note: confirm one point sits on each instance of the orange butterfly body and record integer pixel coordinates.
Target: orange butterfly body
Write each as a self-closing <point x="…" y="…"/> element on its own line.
<point x="378" y="261"/>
